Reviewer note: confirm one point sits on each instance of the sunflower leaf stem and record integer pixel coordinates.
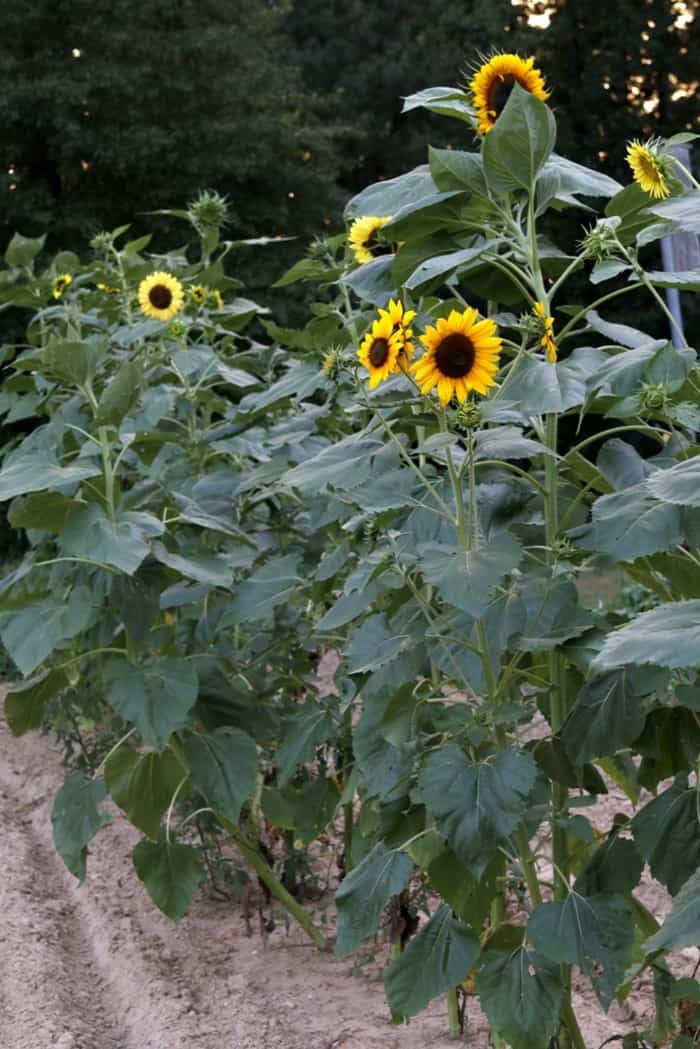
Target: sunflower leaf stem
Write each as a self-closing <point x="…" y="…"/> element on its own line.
<point x="108" y="470"/>
<point x="688" y="174"/>
<point x="409" y="462"/>
<point x="511" y="271"/>
<point x="638" y="269"/>
<point x="454" y="1031"/>
<point x="566" y="330"/>
<point x="505" y="465"/>
<point x="562" y="279"/>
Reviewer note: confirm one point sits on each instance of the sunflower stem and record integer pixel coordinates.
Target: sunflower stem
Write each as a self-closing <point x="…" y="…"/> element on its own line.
<point x="453" y="1027"/>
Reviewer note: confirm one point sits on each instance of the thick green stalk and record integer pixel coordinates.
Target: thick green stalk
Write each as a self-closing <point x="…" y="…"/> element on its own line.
<point x="453" y="1014"/>
<point x="253" y="857"/>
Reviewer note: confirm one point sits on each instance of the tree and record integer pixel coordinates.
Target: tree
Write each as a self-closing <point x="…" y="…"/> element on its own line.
<point x="111" y="110"/>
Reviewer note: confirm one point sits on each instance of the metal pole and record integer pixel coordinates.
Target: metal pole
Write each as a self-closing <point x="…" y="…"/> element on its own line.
<point x="680" y="251"/>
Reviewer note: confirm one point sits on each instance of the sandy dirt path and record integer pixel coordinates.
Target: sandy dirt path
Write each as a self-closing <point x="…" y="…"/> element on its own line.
<point x="97" y="967"/>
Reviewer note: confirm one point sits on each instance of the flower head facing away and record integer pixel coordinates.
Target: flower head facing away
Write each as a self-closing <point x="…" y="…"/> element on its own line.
<point x="493" y="82"/>
<point x="362" y="238"/>
<point x="650" y="167"/>
<point x="547" y="331"/>
<point x="60" y="284"/>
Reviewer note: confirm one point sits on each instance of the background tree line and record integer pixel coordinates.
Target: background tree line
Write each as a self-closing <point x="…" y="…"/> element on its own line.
<point x="107" y="111"/>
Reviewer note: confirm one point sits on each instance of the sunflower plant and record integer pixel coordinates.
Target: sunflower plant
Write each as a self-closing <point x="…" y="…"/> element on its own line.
<point x="163" y="595"/>
<point x="506" y="445"/>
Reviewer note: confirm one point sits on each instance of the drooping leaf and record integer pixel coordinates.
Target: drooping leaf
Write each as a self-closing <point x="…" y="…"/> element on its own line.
<point x="467" y="579"/>
<point x="76" y="820"/>
<point x="34" y="471"/>
<point x="476" y="805"/>
<point x="305" y="727"/>
<point x="171" y="874"/>
<point x="615" y="867"/>
<point x="680" y="484"/>
<point x="520" y="143"/>
<point x="155" y="695"/>
<point x="30" y="634"/>
<point x="25" y="702"/>
<point x="88" y="532"/>
<point x="264" y="590"/>
<point x="608" y="716"/>
<point x="224" y="767"/>
<point x="668" y="636"/>
<point x="595" y="933"/>
<point x="143" y="785"/>
<point x="521" y="994"/>
<point x="364" y="893"/>
<point x="667" y="834"/>
<point x="682" y="927"/>
<point x="439" y="957"/>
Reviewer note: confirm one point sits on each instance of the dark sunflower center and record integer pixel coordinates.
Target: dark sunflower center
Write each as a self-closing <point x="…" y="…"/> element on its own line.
<point x="375" y="247"/>
<point x="160" y="297"/>
<point x="455" y="356"/>
<point x="499" y="93"/>
<point x="379" y="353"/>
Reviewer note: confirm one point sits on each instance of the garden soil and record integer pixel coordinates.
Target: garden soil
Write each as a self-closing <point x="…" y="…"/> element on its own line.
<point x="95" y="966"/>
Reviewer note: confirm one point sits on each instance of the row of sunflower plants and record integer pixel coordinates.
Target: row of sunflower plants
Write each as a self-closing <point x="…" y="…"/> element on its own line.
<point x="158" y="606"/>
<point x="487" y="475"/>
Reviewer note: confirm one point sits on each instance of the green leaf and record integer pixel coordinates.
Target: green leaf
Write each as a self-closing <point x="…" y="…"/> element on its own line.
<point x="171" y="874"/>
<point x="469" y="897"/>
<point x="507" y="442"/>
<point x="364" y="893"/>
<point x="373" y="282"/>
<point x="442" y="266"/>
<point x="439" y="957"/>
<point x="22" y="250"/>
<point x="32" y="633"/>
<point x="89" y="532"/>
<point x="143" y="785"/>
<point x="680" y="484"/>
<point x="476" y="805"/>
<point x="630" y="524"/>
<point x="264" y="590"/>
<point x="615" y="867"/>
<point x="25" y="702"/>
<point x="453" y="169"/>
<point x="667" y="834"/>
<point x="447" y="101"/>
<point x="211" y="569"/>
<point x="521" y="994"/>
<point x="373" y="645"/>
<point x="224" y="767"/>
<point x="667" y="636"/>
<point x="120" y="394"/>
<point x="305" y="727"/>
<point x="683" y="211"/>
<point x="608" y="716"/>
<point x="575" y="180"/>
<point x="553" y="613"/>
<point x="467" y="579"/>
<point x="544" y="387"/>
<point x="390" y="195"/>
<point x="36" y="470"/>
<point x="595" y="933"/>
<point x="43" y="510"/>
<point x="684" y="280"/>
<point x="682" y="927"/>
<point x="386" y="768"/>
<point x="520" y="143"/>
<point x="154" y="696"/>
<point x="71" y="362"/>
<point x="76" y="820"/>
<point x="345" y="464"/>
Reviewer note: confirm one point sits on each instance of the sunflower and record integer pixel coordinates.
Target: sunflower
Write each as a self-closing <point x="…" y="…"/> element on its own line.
<point x="379" y="350"/>
<point x="60" y="284"/>
<point x="198" y="293"/>
<point x="217" y="299"/>
<point x="547" y="328"/>
<point x="462" y="355"/>
<point x="161" y="296"/>
<point x="649" y="167"/>
<point x="362" y="237"/>
<point x="493" y="81"/>
<point x="108" y="289"/>
<point x="400" y="320"/>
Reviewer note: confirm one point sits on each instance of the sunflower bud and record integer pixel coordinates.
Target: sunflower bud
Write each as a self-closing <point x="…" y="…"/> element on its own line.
<point x="652" y="397"/>
<point x="209" y="211"/>
<point x="600" y="242"/>
<point x="467" y="417"/>
<point x="102" y="243"/>
<point x="332" y="363"/>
